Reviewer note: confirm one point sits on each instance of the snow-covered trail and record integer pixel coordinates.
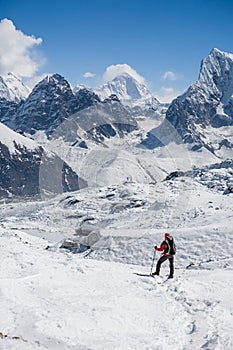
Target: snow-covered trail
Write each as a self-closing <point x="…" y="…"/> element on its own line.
<point x="57" y="300"/>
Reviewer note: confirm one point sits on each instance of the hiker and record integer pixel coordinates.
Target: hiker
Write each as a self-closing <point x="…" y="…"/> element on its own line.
<point x="168" y="248"/>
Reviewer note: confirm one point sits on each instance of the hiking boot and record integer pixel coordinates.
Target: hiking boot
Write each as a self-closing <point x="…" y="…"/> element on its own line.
<point x="170" y="276"/>
<point x="155" y="274"/>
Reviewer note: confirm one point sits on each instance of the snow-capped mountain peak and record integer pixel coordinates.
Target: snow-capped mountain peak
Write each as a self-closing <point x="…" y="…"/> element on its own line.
<point x="203" y="109"/>
<point x="128" y="90"/>
<point x="215" y="51"/>
<point x="216" y="68"/>
<point x="12" y="88"/>
<point x="79" y="87"/>
<point x="55" y="80"/>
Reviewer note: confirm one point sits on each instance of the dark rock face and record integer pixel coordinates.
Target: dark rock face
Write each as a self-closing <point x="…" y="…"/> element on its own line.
<point x="50" y="103"/>
<point x="7" y="110"/>
<point x="21" y="173"/>
<point x="47" y="105"/>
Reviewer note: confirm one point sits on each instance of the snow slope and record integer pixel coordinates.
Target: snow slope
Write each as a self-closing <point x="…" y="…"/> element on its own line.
<point x="120" y="159"/>
<point x="53" y="298"/>
<point x="59" y="301"/>
<point x="10" y="139"/>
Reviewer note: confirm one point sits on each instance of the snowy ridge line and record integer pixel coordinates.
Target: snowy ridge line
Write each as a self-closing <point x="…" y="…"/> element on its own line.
<point x="12" y="139"/>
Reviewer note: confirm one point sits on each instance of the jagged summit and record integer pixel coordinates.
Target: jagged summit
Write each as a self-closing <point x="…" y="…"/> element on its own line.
<point x="216" y="51"/>
<point x="50" y="103"/>
<point x="208" y="103"/>
<point x="54" y="79"/>
<point x="47" y="105"/>
<point x="216" y="67"/>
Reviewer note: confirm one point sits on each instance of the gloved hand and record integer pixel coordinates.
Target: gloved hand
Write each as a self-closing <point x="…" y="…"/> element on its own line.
<point x="155" y="247"/>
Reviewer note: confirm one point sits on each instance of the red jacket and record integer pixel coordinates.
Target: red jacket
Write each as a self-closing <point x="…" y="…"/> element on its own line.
<point x="161" y="248"/>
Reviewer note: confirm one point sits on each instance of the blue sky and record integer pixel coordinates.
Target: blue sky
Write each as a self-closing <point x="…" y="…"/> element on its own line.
<point x="164" y="41"/>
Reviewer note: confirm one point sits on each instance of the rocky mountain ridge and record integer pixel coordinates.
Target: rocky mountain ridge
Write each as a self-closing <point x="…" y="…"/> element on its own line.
<point x="28" y="170"/>
<point x="52" y="102"/>
<point x="208" y="103"/>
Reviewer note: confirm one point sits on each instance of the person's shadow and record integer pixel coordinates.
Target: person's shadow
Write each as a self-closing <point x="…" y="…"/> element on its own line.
<point x="142" y="274"/>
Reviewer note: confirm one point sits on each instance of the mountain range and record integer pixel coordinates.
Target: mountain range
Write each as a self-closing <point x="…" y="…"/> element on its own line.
<point x="202" y="117"/>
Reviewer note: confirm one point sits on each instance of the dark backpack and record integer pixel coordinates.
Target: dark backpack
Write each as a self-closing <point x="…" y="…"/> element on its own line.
<point x="170" y="246"/>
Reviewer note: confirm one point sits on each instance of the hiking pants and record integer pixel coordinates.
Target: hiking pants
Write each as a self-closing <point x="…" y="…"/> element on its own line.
<point x="171" y="262"/>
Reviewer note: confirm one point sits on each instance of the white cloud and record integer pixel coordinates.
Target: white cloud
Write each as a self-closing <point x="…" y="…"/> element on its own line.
<point x="169" y="75"/>
<point x="15" y="51"/>
<point x="114" y="70"/>
<point x="89" y="75"/>
<point x="167" y="94"/>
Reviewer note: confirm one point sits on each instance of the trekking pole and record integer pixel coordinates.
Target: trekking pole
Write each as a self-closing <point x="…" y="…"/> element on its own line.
<point x="152" y="265"/>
